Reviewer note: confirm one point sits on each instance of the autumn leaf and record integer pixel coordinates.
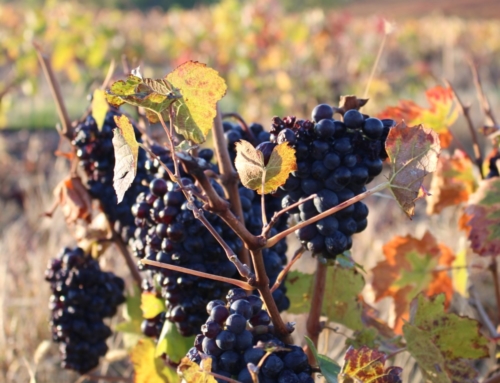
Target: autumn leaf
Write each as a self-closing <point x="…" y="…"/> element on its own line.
<point x="151" y="305"/>
<point x="147" y="368"/>
<point x="99" y="107"/>
<point x="255" y="173"/>
<point x="74" y="200"/>
<point x="201" y="87"/>
<point x="126" y="154"/>
<point x="409" y="268"/>
<point x="342" y="307"/>
<point x="365" y="365"/>
<point x="329" y="368"/>
<point x="443" y="344"/>
<point x="413" y="154"/>
<point x="439" y="116"/>
<point x="153" y="95"/>
<point x="193" y="373"/>
<point x="452" y="183"/>
<point x="482" y="218"/>
<point x="172" y="343"/>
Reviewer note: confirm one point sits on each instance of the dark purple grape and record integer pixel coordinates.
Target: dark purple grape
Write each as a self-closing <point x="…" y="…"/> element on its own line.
<point x="325" y="128"/>
<point x="236" y="323"/>
<point x="225" y="340"/>
<point x="242" y="307"/>
<point x="373" y="128"/>
<point x="353" y="119"/>
<point x="266" y="148"/>
<point x="321" y="112"/>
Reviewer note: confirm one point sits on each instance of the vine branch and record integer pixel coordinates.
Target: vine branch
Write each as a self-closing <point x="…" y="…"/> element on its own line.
<point x="66" y="127"/>
<point x="129" y="260"/>
<point x="475" y="142"/>
<point x="313" y="320"/>
<point x="494" y="273"/>
<point x="485" y="104"/>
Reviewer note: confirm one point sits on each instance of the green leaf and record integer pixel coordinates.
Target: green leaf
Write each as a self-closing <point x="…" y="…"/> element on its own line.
<point x="99" y="107"/>
<point x="131" y="327"/>
<point x="126" y="154"/>
<point x="151" y="305"/>
<point x="441" y="343"/>
<point x="329" y="368"/>
<point x="172" y="343"/>
<point x="413" y="154"/>
<point x="341" y="303"/>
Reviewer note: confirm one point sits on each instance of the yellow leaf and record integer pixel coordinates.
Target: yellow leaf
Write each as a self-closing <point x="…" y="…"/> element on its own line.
<point x="151" y="305"/>
<point x="201" y="87"/>
<point x="147" y="368"/>
<point x="254" y="172"/>
<point x="193" y="373"/>
<point x="126" y="153"/>
<point x="99" y="107"/>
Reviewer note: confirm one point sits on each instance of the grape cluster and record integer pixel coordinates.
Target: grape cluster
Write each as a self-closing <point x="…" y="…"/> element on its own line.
<point x="237" y="334"/>
<point x="335" y="160"/>
<point x="82" y="295"/>
<point x="168" y="232"/>
<point x="94" y="149"/>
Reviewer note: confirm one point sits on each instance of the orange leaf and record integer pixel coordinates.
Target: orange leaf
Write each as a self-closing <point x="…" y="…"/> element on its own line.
<point x="73" y="199"/>
<point x="452" y="183"/>
<point x="148" y="368"/>
<point x="409" y="268"/>
<point x="482" y="216"/>
<point x="439" y="116"/>
<point x="367" y="365"/>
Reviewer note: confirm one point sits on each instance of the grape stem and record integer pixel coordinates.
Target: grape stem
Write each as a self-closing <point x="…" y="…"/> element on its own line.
<point x="485" y="104"/>
<point x="229" y="177"/>
<point x="262" y="284"/>
<point x="485" y="319"/>
<point x="278" y="237"/>
<point x="313" y="320"/>
<point x="274" y="219"/>
<point x="284" y="272"/>
<point x="236" y="282"/>
<point x="66" y="127"/>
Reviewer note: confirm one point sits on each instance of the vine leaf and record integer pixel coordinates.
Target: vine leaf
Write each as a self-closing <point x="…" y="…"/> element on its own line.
<point x="193" y="373"/>
<point x="452" y="183"/>
<point x="344" y="307"/>
<point x="440" y="115"/>
<point x="74" y="200"/>
<point x="147" y="368"/>
<point x="441" y="343"/>
<point x="151" y="305"/>
<point x="126" y="154"/>
<point x="408" y="269"/>
<point x="201" y="87"/>
<point x="482" y="218"/>
<point x="99" y="107"/>
<point x="153" y="95"/>
<point x="413" y="154"/>
<point x="254" y="171"/>
<point x="172" y="343"/>
<point x="366" y="365"/>
<point x="329" y="368"/>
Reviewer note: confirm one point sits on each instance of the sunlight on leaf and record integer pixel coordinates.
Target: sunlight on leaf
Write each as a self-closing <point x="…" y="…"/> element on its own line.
<point x="193" y="373"/>
<point x="252" y="169"/>
<point x="413" y="154"/>
<point x="172" y="343"/>
<point x="148" y="368"/>
<point x="201" y="87"/>
<point x="99" y="107"/>
<point x="126" y="154"/>
<point x="151" y="305"/>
